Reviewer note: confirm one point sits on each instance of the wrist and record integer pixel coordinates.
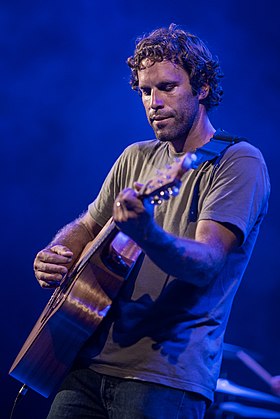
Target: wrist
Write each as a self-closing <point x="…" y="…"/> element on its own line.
<point x="151" y="236"/>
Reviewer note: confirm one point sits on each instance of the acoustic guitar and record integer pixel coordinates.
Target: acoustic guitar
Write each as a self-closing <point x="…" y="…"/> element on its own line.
<point x="85" y="295"/>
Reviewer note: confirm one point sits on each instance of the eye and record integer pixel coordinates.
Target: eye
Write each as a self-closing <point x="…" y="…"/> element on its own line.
<point x="168" y="87"/>
<point x="145" y="91"/>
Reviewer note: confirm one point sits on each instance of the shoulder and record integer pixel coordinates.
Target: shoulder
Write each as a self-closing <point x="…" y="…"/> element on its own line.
<point x="243" y="162"/>
<point x="242" y="146"/>
<point x="243" y="149"/>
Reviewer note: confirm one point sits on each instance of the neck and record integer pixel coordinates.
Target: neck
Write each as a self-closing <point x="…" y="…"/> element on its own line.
<point x="200" y="133"/>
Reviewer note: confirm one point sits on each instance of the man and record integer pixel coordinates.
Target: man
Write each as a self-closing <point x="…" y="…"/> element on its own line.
<point x="157" y="354"/>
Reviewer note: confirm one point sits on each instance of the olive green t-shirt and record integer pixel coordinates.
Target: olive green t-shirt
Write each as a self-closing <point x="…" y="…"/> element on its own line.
<point x="163" y="329"/>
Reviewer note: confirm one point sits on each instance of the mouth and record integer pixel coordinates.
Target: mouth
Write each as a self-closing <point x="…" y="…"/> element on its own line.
<point x="159" y="119"/>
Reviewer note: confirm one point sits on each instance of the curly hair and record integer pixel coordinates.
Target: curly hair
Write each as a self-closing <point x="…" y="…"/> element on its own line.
<point x="183" y="49"/>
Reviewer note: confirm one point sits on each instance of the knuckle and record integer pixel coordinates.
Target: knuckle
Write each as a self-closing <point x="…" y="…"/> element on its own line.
<point x="39" y="255"/>
<point x="55" y="248"/>
<point x="42" y="255"/>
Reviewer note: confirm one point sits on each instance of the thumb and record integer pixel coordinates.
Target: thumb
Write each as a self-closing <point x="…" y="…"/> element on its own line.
<point x="137" y="186"/>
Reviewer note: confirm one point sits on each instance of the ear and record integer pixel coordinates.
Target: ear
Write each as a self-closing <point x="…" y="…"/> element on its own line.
<point x="203" y="93"/>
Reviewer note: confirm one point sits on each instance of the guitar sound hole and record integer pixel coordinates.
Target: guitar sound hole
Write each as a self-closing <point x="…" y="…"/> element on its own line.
<point x="115" y="263"/>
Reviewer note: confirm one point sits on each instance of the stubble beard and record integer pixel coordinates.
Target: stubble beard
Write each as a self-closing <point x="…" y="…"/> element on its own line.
<point x="178" y="132"/>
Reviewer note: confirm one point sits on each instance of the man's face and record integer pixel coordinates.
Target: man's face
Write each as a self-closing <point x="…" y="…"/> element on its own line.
<point x="170" y="105"/>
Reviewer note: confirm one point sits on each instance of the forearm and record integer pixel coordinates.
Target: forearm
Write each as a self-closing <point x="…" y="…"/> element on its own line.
<point x="53" y="262"/>
<point x="189" y="260"/>
<point x="74" y="236"/>
<point x="195" y="261"/>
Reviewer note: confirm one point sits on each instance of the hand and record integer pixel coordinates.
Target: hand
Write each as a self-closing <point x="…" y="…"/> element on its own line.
<point x="49" y="265"/>
<point x="132" y="215"/>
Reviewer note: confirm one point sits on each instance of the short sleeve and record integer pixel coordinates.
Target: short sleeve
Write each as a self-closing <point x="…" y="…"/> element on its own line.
<point x="240" y="189"/>
<point x="121" y="175"/>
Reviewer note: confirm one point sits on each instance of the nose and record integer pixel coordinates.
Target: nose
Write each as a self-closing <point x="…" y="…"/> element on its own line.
<point x="156" y="100"/>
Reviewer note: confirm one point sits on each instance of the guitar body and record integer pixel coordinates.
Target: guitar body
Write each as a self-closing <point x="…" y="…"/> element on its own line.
<point x="72" y="315"/>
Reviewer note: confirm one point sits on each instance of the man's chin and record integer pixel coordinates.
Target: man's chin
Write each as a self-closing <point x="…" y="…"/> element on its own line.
<point x="162" y="136"/>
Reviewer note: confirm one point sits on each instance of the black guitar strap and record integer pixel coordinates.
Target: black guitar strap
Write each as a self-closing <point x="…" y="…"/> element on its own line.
<point x="212" y="152"/>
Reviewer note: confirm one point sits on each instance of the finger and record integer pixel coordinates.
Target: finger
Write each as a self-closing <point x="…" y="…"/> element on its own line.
<point x="138" y="186"/>
<point x="61" y="250"/>
<point x="49" y="285"/>
<point x="50" y="274"/>
<point x="119" y="211"/>
<point x="128" y="200"/>
<point x="48" y="255"/>
<point x="51" y="279"/>
<point x="50" y="268"/>
<point x="125" y="194"/>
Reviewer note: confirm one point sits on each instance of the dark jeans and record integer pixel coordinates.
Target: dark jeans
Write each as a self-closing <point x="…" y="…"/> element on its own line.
<point x="86" y="394"/>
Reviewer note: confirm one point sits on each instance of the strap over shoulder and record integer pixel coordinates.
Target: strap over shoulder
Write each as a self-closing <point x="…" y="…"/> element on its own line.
<point x="211" y="152"/>
<point x="217" y="145"/>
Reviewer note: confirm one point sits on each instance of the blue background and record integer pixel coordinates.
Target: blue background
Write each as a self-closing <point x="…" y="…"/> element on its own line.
<point x="67" y="112"/>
